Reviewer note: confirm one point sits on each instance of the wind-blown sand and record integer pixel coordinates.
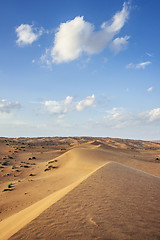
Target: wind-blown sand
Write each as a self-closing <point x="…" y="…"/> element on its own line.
<point x="116" y="202"/>
<point x="93" y="189"/>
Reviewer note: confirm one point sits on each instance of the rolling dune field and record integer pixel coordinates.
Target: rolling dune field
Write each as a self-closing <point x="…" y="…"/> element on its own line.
<point x="79" y="188"/>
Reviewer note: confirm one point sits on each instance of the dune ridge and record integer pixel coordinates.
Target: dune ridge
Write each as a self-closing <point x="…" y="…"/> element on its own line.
<point x="11" y="225"/>
<point x="71" y="166"/>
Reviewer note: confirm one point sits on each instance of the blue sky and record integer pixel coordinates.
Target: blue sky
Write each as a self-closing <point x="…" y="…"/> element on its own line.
<point x="73" y="68"/>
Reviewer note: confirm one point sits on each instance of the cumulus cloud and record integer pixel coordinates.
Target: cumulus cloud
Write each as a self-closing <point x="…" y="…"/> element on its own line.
<point x="61" y="108"/>
<point x="88" y="102"/>
<point x="152" y="115"/>
<point x="149" y="89"/>
<point x="77" y="36"/>
<point x="119" y="44"/>
<point x="6" y="107"/>
<point x="27" y="34"/>
<point x="141" y="65"/>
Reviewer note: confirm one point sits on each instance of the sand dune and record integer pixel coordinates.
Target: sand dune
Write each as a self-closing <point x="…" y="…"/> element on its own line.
<point x="116" y="202"/>
<point x="82" y="158"/>
<point x="71" y="166"/>
<point x="83" y="162"/>
<point x="77" y="198"/>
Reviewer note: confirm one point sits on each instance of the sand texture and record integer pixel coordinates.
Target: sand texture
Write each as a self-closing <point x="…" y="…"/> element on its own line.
<point x="116" y="202"/>
<point x="79" y="188"/>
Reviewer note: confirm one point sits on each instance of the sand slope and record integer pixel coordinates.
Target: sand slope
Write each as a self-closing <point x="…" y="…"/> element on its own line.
<point x="116" y="202"/>
<point x="79" y="163"/>
<point x="72" y="166"/>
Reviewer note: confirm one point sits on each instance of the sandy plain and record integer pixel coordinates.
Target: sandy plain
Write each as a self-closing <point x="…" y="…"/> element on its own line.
<point x="79" y="188"/>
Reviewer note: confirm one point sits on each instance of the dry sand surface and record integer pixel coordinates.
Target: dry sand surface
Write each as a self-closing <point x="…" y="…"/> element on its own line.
<point x="81" y="188"/>
<point x="116" y="202"/>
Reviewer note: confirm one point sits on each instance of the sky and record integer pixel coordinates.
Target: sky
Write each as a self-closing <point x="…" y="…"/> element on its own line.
<point x="80" y="68"/>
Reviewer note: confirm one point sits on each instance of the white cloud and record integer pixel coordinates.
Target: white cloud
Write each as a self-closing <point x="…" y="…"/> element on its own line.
<point x="120" y="117"/>
<point x="77" y="36"/>
<point x="152" y="115"/>
<point x="88" y="102"/>
<point x="118" y="19"/>
<point x="149" y="89"/>
<point x="61" y="108"/>
<point x="27" y="34"/>
<point x="46" y="60"/>
<point x="6" y="107"/>
<point x="141" y="65"/>
<point x="119" y="44"/>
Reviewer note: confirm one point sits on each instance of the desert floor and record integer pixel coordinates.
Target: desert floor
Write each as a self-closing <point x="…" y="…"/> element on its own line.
<point x="79" y="188"/>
